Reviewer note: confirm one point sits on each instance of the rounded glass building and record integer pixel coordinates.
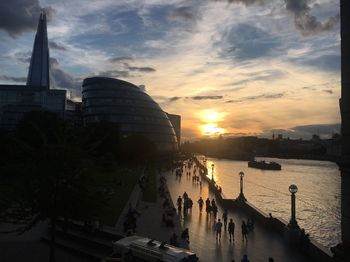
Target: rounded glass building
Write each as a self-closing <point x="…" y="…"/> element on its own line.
<point x="135" y="112"/>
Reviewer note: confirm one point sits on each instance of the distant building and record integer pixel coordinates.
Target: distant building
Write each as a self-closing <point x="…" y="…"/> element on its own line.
<point x="17" y="100"/>
<point x="120" y="102"/>
<point x="176" y="122"/>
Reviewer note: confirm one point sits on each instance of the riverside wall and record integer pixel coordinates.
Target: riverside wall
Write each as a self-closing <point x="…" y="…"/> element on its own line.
<point x="292" y="235"/>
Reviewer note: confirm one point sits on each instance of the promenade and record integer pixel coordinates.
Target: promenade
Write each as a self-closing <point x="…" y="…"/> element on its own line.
<point x="262" y="243"/>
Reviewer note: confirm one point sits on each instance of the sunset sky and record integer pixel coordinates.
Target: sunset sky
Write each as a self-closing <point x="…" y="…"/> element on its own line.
<point x="230" y="67"/>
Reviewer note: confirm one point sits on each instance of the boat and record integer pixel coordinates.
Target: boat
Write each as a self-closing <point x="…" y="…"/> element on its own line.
<point x="264" y="165"/>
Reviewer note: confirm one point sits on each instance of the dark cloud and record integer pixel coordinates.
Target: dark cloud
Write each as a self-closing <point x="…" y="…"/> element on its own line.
<point x="174" y="98"/>
<point x="17" y="16"/>
<point x="306" y="23"/>
<point x="141" y="69"/>
<point x="13" y="78"/>
<point x="62" y="79"/>
<point x="246" y="42"/>
<point x="184" y="14"/>
<point x="250" y="98"/>
<point x="206" y="97"/>
<point x="329" y="91"/>
<point x="120" y="59"/>
<point x="115" y="73"/>
<point x="57" y="46"/>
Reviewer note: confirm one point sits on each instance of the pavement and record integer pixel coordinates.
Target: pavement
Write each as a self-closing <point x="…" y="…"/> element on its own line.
<point x="149" y="222"/>
<point x="261" y="243"/>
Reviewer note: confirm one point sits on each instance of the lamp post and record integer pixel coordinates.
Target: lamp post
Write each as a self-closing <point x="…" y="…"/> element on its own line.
<point x="241" y="195"/>
<point x="212" y="172"/>
<point x="293" y="222"/>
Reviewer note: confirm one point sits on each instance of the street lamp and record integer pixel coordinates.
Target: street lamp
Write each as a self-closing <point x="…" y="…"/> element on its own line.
<point x="293" y="189"/>
<point x="241" y="195"/>
<point x="212" y="172"/>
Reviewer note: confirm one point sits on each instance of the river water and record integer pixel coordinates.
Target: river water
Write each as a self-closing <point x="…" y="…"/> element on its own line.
<point x="317" y="200"/>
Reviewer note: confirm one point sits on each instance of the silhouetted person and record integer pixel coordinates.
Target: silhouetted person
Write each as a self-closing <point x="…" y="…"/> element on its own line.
<point x="245" y="259"/>
<point x="185" y="235"/>
<point x="231" y="230"/>
<point x="271" y="259"/>
<point x="218" y="228"/>
<point x="214" y="208"/>
<point x="200" y="203"/>
<point x="179" y="204"/>
<point x="224" y="218"/>
<point x="207" y="206"/>
<point x="184" y="196"/>
<point x="244" y="231"/>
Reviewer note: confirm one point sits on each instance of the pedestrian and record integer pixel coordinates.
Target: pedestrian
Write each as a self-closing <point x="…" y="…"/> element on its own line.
<point x="214" y="208"/>
<point x="184" y="196"/>
<point x="245" y="259"/>
<point x="190" y="203"/>
<point x="207" y="206"/>
<point x="244" y="231"/>
<point x="213" y="202"/>
<point x="185" y="235"/>
<point x="200" y="203"/>
<point x="218" y="227"/>
<point x="179" y="204"/>
<point x="231" y="230"/>
<point x="224" y="218"/>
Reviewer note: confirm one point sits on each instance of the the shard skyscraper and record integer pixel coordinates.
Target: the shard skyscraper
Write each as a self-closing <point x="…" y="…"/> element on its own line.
<point x="38" y="75"/>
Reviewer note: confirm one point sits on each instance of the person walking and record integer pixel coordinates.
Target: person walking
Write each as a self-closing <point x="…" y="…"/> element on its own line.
<point x="218" y="228"/>
<point x="200" y="203"/>
<point x="179" y="204"/>
<point x="207" y="206"/>
<point x="224" y="218"/>
<point x="231" y="230"/>
<point x="244" y="231"/>
<point x="214" y="208"/>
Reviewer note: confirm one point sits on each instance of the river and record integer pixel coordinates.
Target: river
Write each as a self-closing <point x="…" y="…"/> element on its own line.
<point x="318" y="200"/>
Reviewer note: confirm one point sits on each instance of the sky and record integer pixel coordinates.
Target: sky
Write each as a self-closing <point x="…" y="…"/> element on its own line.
<point x="229" y="67"/>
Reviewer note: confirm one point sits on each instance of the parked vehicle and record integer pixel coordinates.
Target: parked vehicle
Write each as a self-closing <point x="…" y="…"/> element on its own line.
<point x="137" y="248"/>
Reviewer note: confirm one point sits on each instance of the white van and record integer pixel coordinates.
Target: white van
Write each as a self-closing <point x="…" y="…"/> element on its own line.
<point x="136" y="248"/>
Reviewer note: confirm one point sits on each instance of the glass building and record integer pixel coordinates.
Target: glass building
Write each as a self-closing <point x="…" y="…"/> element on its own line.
<point x="120" y="102"/>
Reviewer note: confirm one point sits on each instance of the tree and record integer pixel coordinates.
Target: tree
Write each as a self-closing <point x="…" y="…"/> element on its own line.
<point x="55" y="178"/>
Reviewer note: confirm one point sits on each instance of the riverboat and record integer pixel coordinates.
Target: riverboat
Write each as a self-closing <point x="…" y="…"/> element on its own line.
<point x="264" y="165"/>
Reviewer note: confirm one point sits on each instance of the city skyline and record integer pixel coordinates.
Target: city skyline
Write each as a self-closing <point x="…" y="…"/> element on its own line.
<point x="221" y="66"/>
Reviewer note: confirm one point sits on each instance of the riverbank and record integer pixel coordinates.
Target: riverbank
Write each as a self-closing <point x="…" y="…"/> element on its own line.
<point x="290" y="234"/>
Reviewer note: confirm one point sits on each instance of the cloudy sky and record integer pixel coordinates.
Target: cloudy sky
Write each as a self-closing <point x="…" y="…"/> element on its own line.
<point x="238" y="67"/>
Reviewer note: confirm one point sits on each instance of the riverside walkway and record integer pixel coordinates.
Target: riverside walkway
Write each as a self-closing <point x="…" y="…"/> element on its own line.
<point x="262" y="243"/>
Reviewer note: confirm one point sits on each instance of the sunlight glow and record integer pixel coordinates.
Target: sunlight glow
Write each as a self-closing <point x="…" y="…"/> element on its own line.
<point x="212" y="116"/>
<point x="212" y="128"/>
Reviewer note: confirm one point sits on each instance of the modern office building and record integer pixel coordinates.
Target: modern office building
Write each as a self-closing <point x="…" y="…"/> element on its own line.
<point x="135" y="112"/>
<point x="17" y="100"/>
<point x="39" y="68"/>
<point x="176" y="122"/>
